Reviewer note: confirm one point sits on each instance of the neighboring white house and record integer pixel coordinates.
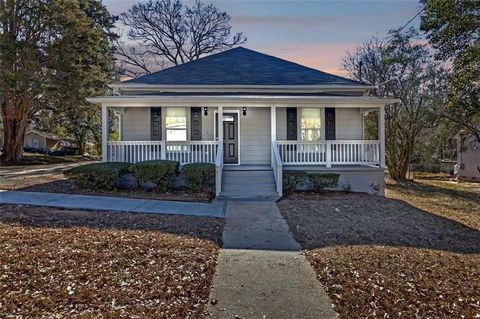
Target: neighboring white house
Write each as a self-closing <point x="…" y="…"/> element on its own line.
<point x="274" y="115"/>
<point x="468" y="159"/>
<point x="44" y="141"/>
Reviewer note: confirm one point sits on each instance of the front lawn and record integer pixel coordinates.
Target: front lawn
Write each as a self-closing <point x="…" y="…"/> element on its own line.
<point x="386" y="258"/>
<point x="82" y="264"/>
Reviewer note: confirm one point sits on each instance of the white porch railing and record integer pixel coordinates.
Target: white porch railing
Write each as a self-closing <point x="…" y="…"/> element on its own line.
<point x="277" y="167"/>
<point x="337" y="152"/>
<point x="191" y="152"/>
<point x="183" y="152"/>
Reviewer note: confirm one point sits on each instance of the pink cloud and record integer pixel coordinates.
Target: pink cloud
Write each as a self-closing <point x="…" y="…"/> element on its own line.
<point x="326" y="57"/>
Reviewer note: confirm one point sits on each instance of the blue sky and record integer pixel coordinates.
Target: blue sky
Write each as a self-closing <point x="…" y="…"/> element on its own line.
<point x="316" y="33"/>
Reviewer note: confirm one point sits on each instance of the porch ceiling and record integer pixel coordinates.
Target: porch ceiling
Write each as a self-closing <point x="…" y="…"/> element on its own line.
<point x="250" y="100"/>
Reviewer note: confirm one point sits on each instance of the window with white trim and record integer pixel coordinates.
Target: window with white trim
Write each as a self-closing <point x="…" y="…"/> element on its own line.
<point x="176" y="124"/>
<point x="310" y="124"/>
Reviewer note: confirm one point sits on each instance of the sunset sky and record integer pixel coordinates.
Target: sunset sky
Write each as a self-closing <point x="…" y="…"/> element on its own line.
<point x="315" y="33"/>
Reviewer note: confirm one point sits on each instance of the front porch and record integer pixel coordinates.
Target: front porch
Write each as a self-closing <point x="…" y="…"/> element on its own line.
<point x="256" y="137"/>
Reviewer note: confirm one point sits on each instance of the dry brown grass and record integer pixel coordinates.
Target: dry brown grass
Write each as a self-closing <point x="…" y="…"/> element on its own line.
<point x="439" y="194"/>
<point x="88" y="264"/>
<point x="41" y="159"/>
<point x="415" y="257"/>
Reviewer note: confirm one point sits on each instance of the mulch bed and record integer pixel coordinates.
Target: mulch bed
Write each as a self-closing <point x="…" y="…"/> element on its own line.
<point x="384" y="258"/>
<point x="68" y="186"/>
<point x="81" y="264"/>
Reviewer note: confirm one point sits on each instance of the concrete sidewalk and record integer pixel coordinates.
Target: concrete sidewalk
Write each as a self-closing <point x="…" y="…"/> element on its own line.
<point x="260" y="272"/>
<point x="214" y="209"/>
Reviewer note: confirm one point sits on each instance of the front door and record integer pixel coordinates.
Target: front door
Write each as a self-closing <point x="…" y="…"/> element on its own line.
<point x="230" y="138"/>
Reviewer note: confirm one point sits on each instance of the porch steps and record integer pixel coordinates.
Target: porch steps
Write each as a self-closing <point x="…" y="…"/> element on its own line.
<point x="249" y="183"/>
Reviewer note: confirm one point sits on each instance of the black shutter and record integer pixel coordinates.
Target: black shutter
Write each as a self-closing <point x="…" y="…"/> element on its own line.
<point x="196" y="124"/>
<point x="156" y="123"/>
<point x="292" y="124"/>
<point x="330" y="123"/>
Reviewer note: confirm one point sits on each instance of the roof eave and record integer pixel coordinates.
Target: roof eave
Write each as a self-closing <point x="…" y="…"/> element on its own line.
<point x="141" y="87"/>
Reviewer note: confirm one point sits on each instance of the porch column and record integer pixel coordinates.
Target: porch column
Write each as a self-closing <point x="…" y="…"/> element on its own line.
<point x="273" y="123"/>
<point x="381" y="134"/>
<point x="273" y="133"/>
<point x="220" y="124"/>
<point x="104" y="133"/>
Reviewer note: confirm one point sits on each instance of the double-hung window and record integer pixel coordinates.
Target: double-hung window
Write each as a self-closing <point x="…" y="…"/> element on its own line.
<point x="176" y="124"/>
<point x="310" y="124"/>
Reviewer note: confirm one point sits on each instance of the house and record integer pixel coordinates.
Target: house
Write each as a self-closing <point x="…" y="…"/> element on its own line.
<point x="468" y="158"/>
<point x="274" y="116"/>
<point x="36" y="140"/>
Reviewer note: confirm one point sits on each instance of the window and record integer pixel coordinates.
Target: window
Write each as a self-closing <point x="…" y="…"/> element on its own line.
<point x="176" y="124"/>
<point x="310" y="124"/>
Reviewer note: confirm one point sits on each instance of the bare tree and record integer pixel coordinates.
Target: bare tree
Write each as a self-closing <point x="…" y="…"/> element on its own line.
<point x="133" y="61"/>
<point x="401" y="68"/>
<point x="168" y="32"/>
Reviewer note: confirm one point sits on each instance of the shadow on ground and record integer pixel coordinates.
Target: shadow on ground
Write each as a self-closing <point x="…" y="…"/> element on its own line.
<point x="358" y="219"/>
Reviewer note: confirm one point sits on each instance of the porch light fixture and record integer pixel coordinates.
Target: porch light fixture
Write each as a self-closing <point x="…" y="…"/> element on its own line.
<point x="244" y="111"/>
<point x="205" y="111"/>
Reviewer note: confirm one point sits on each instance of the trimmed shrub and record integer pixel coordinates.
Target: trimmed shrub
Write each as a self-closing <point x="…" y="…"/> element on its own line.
<point x="293" y="180"/>
<point x="301" y="180"/>
<point x="317" y="182"/>
<point x="160" y="172"/>
<point x="102" y="176"/>
<point x="196" y="175"/>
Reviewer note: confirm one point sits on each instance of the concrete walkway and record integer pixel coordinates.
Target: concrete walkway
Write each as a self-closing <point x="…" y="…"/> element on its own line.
<point x="215" y="209"/>
<point x="260" y="272"/>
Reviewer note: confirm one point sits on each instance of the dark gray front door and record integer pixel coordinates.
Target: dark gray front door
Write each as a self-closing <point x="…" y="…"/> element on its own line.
<point x="230" y="138"/>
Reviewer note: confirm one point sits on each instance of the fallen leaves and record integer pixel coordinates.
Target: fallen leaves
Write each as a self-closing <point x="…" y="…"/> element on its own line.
<point x="77" y="264"/>
<point x="400" y="282"/>
<point x="385" y="258"/>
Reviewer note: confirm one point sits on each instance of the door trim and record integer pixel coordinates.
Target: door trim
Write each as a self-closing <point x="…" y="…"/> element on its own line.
<point x="238" y="132"/>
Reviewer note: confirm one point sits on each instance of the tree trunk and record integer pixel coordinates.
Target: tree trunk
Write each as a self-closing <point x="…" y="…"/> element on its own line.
<point x="398" y="165"/>
<point x="13" y="135"/>
<point x="81" y="145"/>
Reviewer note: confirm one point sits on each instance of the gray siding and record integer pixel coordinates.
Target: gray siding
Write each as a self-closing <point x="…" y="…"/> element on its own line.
<point x="255" y="137"/>
<point x="348" y="124"/>
<point x="136" y="124"/>
<point x="207" y="124"/>
<point x="281" y="124"/>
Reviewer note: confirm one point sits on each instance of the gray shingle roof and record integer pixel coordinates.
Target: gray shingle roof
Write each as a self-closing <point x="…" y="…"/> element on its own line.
<point x="241" y="66"/>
